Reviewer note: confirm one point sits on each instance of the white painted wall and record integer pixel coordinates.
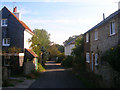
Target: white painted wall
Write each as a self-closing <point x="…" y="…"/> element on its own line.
<point x="68" y="49"/>
<point x="27" y="36"/>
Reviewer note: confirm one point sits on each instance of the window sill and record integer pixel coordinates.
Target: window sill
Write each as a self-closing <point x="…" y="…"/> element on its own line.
<point x="88" y="61"/>
<point x="112" y="34"/>
<point x="4" y="25"/>
<point x="6" y="44"/>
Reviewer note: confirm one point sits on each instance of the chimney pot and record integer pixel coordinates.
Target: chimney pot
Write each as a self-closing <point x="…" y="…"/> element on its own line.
<point x="15" y="9"/>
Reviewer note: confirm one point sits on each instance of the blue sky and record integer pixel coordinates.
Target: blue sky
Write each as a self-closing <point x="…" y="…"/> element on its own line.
<point x="62" y="18"/>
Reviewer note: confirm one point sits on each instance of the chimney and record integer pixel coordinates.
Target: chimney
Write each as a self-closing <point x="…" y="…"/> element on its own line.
<point x="103" y="16"/>
<point x="15" y="9"/>
<point x="17" y="14"/>
<point x="118" y="5"/>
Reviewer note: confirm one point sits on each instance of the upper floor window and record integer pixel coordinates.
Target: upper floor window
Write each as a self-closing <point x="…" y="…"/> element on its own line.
<point x="112" y="28"/>
<point x="96" y="35"/>
<point x="87" y="37"/>
<point x="6" y="41"/>
<point x="4" y="22"/>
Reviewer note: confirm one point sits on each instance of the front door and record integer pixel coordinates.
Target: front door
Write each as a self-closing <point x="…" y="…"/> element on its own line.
<point x="92" y="61"/>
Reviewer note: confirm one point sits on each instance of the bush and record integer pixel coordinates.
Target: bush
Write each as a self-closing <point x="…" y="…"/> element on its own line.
<point x="60" y="58"/>
<point x="112" y="56"/>
<point x="67" y="62"/>
<point x="40" y="68"/>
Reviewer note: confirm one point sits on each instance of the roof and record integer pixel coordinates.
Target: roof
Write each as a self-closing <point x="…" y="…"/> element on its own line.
<point x="105" y="20"/>
<point x="21" y="22"/>
<point x="32" y="52"/>
<point x="72" y="41"/>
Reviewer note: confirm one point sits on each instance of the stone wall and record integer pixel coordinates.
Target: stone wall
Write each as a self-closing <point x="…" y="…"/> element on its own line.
<point x="28" y="67"/>
<point x="105" y="41"/>
<point x="111" y="78"/>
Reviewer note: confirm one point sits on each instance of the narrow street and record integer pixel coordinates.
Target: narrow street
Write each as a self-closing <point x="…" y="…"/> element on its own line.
<point x="57" y="77"/>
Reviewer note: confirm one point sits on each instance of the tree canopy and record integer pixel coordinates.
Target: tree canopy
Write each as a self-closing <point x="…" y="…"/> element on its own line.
<point x="39" y="40"/>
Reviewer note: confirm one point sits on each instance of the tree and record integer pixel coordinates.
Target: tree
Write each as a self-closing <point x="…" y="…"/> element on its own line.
<point x="53" y="50"/>
<point x="39" y="40"/>
<point x="60" y="48"/>
<point x="70" y="39"/>
<point x="78" y="51"/>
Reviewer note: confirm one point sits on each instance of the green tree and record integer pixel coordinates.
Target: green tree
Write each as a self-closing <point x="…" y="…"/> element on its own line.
<point x="53" y="50"/>
<point x="78" y="51"/>
<point x="60" y="48"/>
<point x="70" y="39"/>
<point x="39" y="40"/>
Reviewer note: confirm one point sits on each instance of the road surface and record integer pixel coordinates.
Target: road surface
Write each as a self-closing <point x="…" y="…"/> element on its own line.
<point x="57" y="77"/>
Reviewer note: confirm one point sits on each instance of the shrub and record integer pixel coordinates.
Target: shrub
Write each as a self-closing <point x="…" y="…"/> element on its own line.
<point x="67" y="62"/>
<point x="40" y="68"/>
<point x="60" y="58"/>
<point x="112" y="56"/>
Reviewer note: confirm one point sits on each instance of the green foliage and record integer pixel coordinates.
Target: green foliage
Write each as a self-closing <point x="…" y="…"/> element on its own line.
<point x="70" y="39"/>
<point x="40" y="68"/>
<point x="53" y="51"/>
<point x="14" y="50"/>
<point x="60" y="58"/>
<point x="67" y="62"/>
<point x="39" y="40"/>
<point x="78" y="51"/>
<point x="60" y="48"/>
<point x="112" y="56"/>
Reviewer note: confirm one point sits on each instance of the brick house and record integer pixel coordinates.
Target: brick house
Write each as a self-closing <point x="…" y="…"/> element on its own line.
<point x="15" y="33"/>
<point x="101" y="38"/>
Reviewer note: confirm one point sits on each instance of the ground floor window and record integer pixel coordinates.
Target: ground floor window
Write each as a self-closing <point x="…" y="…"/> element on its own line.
<point x="96" y="59"/>
<point x="88" y="57"/>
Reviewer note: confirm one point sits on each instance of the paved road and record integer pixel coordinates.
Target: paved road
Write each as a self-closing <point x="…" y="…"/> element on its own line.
<point x="57" y="77"/>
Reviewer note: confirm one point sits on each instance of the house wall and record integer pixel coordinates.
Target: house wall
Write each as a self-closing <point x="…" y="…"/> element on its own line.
<point x="14" y="31"/>
<point x="27" y="37"/>
<point x="105" y="41"/>
<point x="87" y="49"/>
<point x="68" y="49"/>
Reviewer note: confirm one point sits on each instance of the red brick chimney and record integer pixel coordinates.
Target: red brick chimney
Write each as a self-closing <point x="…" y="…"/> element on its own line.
<point x="15" y="9"/>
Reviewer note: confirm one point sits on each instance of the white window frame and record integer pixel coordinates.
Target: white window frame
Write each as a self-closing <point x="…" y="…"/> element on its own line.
<point x="96" y="59"/>
<point x="4" y="22"/>
<point x="112" y="28"/>
<point x="6" y="41"/>
<point x="88" y="57"/>
<point x="96" y="35"/>
<point x="87" y="37"/>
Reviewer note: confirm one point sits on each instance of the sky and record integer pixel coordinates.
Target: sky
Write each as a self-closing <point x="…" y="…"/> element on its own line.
<point x="62" y="18"/>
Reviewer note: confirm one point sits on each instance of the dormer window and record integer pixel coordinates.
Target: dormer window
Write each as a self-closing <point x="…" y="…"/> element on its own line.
<point x="4" y="22"/>
<point x="6" y="41"/>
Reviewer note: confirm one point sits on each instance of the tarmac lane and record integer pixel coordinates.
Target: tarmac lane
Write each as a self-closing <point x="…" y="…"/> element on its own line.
<point x="57" y="77"/>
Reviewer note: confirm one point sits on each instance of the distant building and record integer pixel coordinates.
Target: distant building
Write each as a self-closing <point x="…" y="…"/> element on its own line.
<point x="69" y="46"/>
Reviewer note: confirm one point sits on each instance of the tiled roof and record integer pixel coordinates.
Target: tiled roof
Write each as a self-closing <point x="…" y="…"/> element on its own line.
<point x="21" y="22"/>
<point x="32" y="52"/>
<point x="104" y="21"/>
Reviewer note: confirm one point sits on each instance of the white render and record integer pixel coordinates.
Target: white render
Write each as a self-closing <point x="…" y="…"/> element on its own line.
<point x="27" y="36"/>
<point x="68" y="49"/>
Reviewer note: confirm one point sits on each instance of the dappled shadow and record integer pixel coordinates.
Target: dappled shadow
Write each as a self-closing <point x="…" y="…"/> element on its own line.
<point x="51" y="66"/>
